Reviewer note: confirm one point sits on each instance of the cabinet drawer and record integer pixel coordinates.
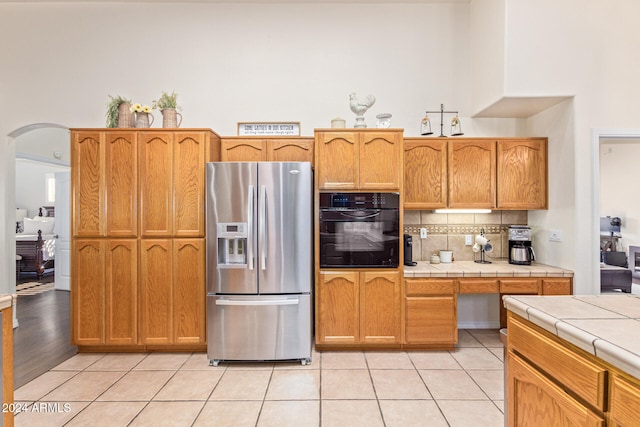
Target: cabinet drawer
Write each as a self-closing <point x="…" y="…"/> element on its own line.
<point x="519" y="286"/>
<point x="430" y="287"/>
<point x="479" y="286"/>
<point x="625" y="402"/>
<point x="585" y="378"/>
<point x="556" y="287"/>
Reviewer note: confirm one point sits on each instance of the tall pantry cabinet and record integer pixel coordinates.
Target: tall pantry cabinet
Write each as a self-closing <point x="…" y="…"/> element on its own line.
<point x="138" y="236"/>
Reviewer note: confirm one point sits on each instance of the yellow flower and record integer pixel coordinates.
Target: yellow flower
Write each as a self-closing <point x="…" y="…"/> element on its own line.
<point x="146" y="109"/>
<point x="136" y="108"/>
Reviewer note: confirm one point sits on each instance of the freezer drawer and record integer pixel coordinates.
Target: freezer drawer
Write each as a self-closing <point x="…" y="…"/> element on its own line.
<point x="259" y="328"/>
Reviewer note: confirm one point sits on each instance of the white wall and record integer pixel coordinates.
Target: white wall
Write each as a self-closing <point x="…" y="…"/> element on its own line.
<point x="619" y="187"/>
<point x="31" y="183"/>
<point x="278" y="62"/>
<point x="487" y="51"/>
<point x="575" y="47"/>
<point x="230" y="63"/>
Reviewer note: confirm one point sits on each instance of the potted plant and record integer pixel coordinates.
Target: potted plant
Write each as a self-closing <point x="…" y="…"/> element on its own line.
<point x="117" y="116"/>
<point x="168" y="106"/>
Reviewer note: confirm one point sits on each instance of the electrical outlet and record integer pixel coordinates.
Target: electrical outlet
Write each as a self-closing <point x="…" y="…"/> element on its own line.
<point x="467" y="240"/>
<point x="555" y="236"/>
<point x="423" y="233"/>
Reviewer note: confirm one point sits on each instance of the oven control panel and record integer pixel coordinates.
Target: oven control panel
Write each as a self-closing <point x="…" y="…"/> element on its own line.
<point x="359" y="200"/>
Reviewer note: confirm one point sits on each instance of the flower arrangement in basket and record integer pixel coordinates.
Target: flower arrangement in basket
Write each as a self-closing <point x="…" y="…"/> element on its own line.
<point x="118" y="114"/>
<point x="168" y="106"/>
<point x="143" y="115"/>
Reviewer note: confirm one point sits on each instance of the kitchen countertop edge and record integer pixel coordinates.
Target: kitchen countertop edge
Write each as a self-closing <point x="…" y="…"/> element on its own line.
<point x="498" y="268"/>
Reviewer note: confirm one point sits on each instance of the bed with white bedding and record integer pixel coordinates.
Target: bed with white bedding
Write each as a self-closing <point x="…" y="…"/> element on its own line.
<point x="36" y="243"/>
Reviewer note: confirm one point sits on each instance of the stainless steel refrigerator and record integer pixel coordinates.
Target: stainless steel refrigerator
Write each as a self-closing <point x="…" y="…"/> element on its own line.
<point x="259" y="261"/>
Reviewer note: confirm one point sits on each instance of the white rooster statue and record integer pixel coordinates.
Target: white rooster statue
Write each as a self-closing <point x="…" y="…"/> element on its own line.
<point x="360" y="107"/>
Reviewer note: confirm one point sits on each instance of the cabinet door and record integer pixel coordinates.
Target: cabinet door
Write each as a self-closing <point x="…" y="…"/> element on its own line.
<point x="188" y="184"/>
<point x="380" y="154"/>
<point x="337" y="160"/>
<point x="156" y="154"/>
<point x="531" y="396"/>
<point x="189" y="291"/>
<point x="122" y="292"/>
<point x="425" y="174"/>
<point x="88" y="292"/>
<point x="87" y="183"/>
<point x="156" y="291"/>
<point x="472" y="174"/>
<point x="291" y="150"/>
<point x="121" y="183"/>
<point x="243" y="150"/>
<point x="431" y="312"/>
<point x="522" y="174"/>
<point x="337" y="308"/>
<point x="379" y="307"/>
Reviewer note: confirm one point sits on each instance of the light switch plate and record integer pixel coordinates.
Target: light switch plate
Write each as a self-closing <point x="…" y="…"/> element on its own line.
<point x="555" y="236"/>
<point x="467" y="240"/>
<point x="423" y="233"/>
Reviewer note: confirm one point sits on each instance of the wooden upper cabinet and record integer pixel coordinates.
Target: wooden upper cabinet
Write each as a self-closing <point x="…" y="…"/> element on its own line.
<point x="252" y="149"/>
<point x="522" y="174"/>
<point x="337" y="160"/>
<point x="425" y="174"/>
<point x="380" y="160"/>
<point x="156" y="198"/>
<point x="188" y="184"/>
<point x="355" y="160"/>
<point x="121" y="176"/>
<point x="243" y="150"/>
<point x="290" y="150"/>
<point x="87" y="183"/>
<point x="472" y="174"/>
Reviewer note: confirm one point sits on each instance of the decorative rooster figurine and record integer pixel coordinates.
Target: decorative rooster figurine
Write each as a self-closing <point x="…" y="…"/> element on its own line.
<point x="359" y="108"/>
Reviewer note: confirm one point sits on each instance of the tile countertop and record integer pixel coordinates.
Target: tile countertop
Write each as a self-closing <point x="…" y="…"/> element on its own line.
<point x="607" y="326"/>
<point x="497" y="268"/>
<point x="6" y="301"/>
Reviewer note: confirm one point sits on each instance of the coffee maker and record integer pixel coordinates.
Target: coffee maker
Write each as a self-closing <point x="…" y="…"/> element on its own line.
<point x="408" y="250"/>
<point x="520" y="249"/>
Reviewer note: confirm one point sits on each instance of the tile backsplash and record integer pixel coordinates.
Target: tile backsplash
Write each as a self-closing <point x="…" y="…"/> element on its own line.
<point x="447" y="231"/>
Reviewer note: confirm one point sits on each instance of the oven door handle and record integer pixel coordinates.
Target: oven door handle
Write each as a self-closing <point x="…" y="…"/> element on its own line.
<point x="375" y="214"/>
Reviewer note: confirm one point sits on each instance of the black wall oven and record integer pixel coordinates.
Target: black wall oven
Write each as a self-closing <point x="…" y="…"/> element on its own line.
<point x="359" y="230"/>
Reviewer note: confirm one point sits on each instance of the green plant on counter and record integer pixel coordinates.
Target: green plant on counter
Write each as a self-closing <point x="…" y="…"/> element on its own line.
<point x="112" y="109"/>
<point x="166" y="101"/>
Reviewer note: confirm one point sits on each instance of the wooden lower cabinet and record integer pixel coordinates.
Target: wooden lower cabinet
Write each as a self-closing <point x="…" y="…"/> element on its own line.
<point x="104" y="292"/>
<point x="172" y="291"/>
<point x="551" y="382"/>
<point x="538" y="401"/>
<point x="121" y="292"/>
<point x="137" y="293"/>
<point x="431" y="312"/>
<point x="355" y="308"/>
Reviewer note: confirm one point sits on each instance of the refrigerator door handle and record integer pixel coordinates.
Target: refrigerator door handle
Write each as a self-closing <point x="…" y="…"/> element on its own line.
<point x="262" y="227"/>
<point x="250" y="240"/>
<point x="258" y="302"/>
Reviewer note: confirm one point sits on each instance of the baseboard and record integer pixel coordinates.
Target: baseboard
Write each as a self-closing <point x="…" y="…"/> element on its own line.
<point x="479" y="325"/>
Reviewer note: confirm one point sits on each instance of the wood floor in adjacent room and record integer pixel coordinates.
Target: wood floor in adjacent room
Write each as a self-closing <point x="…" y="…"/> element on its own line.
<point x="42" y="339"/>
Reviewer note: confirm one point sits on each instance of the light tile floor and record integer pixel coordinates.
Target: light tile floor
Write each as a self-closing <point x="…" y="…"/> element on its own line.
<point x="460" y="388"/>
